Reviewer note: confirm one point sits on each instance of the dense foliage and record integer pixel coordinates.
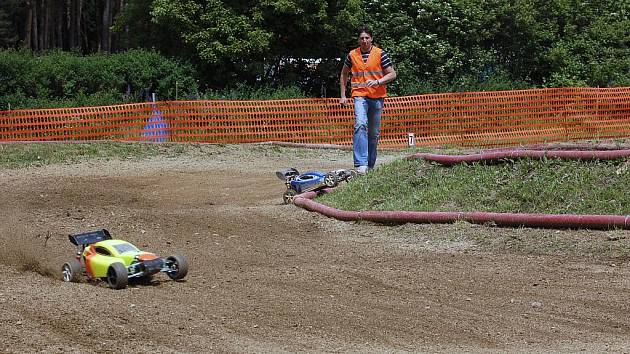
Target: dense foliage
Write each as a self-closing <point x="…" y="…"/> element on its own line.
<point x="67" y="79"/>
<point x="477" y="44"/>
<point x="437" y="45"/>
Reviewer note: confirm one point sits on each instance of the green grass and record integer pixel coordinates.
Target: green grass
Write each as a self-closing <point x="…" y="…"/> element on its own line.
<point x="39" y="154"/>
<point x="521" y="186"/>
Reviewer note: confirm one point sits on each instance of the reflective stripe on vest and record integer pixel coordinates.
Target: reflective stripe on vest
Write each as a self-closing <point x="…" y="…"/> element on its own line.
<point x="364" y="72"/>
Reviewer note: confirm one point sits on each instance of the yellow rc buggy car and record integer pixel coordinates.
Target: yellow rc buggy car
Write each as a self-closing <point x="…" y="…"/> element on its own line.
<point x="116" y="261"/>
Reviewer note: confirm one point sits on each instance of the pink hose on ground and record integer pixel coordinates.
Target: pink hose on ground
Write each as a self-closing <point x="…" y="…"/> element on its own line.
<point x="604" y="222"/>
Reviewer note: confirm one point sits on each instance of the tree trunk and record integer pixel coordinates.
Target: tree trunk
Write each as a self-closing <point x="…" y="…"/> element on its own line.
<point x="75" y="37"/>
<point x="107" y="24"/>
<point x="115" y="37"/>
<point x="46" y="8"/>
<point x="59" y="15"/>
<point x="79" y="35"/>
<point x="28" y="33"/>
<point x="70" y="23"/>
<point x="35" y="43"/>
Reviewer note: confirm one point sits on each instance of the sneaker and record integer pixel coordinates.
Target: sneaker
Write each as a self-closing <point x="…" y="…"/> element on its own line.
<point x="362" y="170"/>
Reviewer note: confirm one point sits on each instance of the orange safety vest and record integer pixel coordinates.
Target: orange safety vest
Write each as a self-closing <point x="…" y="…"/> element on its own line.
<point x="363" y="72"/>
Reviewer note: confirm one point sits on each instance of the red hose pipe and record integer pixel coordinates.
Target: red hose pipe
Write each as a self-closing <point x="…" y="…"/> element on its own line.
<point x="603" y="222"/>
<point x="563" y="221"/>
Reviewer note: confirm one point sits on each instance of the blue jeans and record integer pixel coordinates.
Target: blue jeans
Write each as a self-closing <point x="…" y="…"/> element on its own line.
<point x="367" y="128"/>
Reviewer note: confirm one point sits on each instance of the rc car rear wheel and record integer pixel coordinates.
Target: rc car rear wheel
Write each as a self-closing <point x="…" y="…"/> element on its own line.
<point x="117" y="276"/>
<point x="287" y="197"/>
<point x="330" y="180"/>
<point x="178" y="265"/>
<point x="70" y="270"/>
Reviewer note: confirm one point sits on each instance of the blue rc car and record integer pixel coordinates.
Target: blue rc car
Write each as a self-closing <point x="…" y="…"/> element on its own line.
<point x="298" y="183"/>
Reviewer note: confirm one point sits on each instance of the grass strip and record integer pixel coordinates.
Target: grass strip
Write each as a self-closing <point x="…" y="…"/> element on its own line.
<point x="19" y="155"/>
<point x="551" y="186"/>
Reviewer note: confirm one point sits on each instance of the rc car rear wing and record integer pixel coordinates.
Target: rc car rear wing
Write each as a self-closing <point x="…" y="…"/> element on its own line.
<point x="287" y="174"/>
<point x="89" y="238"/>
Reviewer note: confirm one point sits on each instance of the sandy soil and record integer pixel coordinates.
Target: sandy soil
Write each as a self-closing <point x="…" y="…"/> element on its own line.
<point x="271" y="277"/>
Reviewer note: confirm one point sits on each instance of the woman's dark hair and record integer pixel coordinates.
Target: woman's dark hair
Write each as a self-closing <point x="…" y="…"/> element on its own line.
<point x="363" y="29"/>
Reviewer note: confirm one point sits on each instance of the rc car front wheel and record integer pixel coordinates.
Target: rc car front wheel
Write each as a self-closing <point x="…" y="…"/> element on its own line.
<point x="70" y="270"/>
<point x="330" y="180"/>
<point x="287" y="197"/>
<point x="117" y="276"/>
<point x="178" y="266"/>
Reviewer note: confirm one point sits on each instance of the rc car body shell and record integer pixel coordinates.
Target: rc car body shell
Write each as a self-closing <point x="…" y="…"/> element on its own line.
<point x="100" y="256"/>
<point x="308" y="181"/>
<point x="298" y="183"/>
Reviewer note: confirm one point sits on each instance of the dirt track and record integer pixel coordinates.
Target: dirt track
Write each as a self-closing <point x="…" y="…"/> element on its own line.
<point x="271" y="277"/>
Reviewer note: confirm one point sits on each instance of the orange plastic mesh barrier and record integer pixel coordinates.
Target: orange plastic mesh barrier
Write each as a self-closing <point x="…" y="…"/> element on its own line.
<point x="500" y="118"/>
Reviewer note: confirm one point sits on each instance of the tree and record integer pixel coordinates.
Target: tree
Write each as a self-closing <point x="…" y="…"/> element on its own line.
<point x="135" y="28"/>
<point x="41" y="25"/>
<point x="8" y="30"/>
<point x="258" y="41"/>
<point x="309" y="39"/>
<point x="463" y="44"/>
<point x="437" y="45"/>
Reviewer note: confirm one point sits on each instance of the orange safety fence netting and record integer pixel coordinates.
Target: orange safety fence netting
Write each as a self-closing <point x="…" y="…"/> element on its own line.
<point x="500" y="118"/>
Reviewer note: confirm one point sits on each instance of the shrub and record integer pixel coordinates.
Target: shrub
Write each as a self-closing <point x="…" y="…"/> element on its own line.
<point x="58" y="78"/>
